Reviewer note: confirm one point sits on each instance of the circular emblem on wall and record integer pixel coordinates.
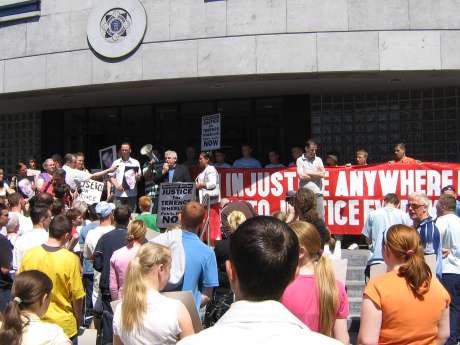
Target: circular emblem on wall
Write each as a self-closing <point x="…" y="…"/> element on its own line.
<point x="116" y="27"/>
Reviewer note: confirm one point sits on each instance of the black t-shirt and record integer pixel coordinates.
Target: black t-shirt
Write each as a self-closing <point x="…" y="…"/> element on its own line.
<point x="6" y="256"/>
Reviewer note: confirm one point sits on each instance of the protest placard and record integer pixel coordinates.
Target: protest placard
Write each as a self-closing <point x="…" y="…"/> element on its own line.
<point x="172" y="197"/>
<point x="107" y="156"/>
<point x="91" y="191"/>
<point x="210" y="132"/>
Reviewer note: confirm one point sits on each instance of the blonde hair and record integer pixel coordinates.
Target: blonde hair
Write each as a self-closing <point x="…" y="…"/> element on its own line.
<point x="136" y="231"/>
<point x="134" y="307"/>
<point x="235" y="219"/>
<point x="328" y="293"/>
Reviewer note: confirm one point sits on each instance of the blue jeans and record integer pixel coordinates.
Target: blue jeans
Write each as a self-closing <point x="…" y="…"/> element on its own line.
<point x="452" y="284"/>
<point x="5" y="298"/>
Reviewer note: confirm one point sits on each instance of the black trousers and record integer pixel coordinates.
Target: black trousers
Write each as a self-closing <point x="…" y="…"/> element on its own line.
<point x="107" y="318"/>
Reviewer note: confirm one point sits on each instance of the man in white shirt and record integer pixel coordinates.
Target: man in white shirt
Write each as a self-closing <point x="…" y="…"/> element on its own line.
<point x="105" y="212"/>
<point x="125" y="178"/>
<point x="264" y="254"/>
<point x="73" y="176"/>
<point x="310" y="170"/>
<point x="41" y="218"/>
<point x="16" y="204"/>
<point x="448" y="224"/>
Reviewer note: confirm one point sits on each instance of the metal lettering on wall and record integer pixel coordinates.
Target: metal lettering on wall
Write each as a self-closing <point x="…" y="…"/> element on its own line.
<point x="18" y="9"/>
<point x="116" y="27"/>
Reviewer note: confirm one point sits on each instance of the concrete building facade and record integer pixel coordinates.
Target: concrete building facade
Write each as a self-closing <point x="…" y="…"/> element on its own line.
<point x="342" y="62"/>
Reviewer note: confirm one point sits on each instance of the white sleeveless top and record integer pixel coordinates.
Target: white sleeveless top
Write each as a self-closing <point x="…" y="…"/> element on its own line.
<point x="160" y="324"/>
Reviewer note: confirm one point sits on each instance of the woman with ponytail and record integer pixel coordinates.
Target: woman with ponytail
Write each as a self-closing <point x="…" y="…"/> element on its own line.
<point x="407" y="305"/>
<point x="315" y="297"/>
<point x="144" y="316"/>
<point x="122" y="257"/>
<point x="20" y="323"/>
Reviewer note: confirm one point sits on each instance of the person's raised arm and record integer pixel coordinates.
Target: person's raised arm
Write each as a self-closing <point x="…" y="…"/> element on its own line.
<point x="443" y="328"/>
<point x="371" y="321"/>
<point x="102" y="173"/>
<point x="185" y="321"/>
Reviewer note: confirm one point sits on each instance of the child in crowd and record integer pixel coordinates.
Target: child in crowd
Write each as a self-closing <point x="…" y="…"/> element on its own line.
<point x="21" y="324"/>
<point x="315" y="297"/>
<point x="145" y="316"/>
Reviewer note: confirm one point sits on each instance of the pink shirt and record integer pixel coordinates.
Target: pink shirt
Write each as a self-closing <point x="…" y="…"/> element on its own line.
<point x="118" y="266"/>
<point x="301" y="298"/>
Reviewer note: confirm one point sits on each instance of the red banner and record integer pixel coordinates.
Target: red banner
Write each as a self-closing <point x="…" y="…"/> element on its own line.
<point x="349" y="192"/>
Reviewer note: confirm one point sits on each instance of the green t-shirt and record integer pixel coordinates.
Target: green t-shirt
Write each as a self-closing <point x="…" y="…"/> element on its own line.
<point x="150" y="220"/>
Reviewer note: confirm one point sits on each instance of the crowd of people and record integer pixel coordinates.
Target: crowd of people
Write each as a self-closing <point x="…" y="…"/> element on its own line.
<point x="66" y="265"/>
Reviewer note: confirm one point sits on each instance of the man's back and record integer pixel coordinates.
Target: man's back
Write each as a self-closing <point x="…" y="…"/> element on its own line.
<point x="267" y="322"/>
<point x="377" y="223"/>
<point x="27" y="241"/>
<point x="63" y="268"/>
<point x="200" y="266"/>
<point x="107" y="244"/>
<point x="449" y="226"/>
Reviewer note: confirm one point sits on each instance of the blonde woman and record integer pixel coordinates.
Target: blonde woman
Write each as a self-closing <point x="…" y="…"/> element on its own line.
<point x="122" y="257"/>
<point x="145" y="316"/>
<point x="315" y="297"/>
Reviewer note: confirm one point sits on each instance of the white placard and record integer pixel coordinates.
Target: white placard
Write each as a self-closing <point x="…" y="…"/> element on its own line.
<point x="107" y="156"/>
<point x="32" y="172"/>
<point x="210" y="132"/>
<point x="91" y="191"/>
<point x="172" y="197"/>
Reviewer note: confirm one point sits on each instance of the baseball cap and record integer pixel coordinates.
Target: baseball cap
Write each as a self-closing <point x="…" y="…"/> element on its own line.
<point x="104" y="209"/>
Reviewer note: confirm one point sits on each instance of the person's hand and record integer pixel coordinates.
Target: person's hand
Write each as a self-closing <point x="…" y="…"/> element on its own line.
<point x="204" y="300"/>
<point x="165" y="168"/>
<point x="445" y="252"/>
<point x="119" y="188"/>
<point x="200" y="185"/>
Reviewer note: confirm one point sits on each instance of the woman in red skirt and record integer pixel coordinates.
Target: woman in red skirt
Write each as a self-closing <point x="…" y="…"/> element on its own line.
<point x="208" y="185"/>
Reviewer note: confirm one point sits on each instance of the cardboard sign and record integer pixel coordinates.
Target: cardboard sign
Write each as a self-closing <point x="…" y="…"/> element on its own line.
<point x="32" y="172"/>
<point x="107" y="156"/>
<point x="350" y="193"/>
<point x="210" y="132"/>
<point x="91" y="191"/>
<point x="172" y="197"/>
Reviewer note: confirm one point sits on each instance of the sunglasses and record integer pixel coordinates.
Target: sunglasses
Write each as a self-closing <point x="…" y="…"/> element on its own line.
<point x="414" y="206"/>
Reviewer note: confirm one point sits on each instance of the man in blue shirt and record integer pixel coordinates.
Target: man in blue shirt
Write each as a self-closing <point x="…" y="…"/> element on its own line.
<point x="377" y="222"/>
<point x="200" y="275"/>
<point x="246" y="161"/>
<point x="194" y="266"/>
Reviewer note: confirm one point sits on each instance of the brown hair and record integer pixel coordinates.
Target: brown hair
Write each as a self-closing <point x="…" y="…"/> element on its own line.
<point x="328" y="294"/>
<point x="29" y="287"/>
<point x="136" y="231"/>
<point x="145" y="203"/>
<point x="192" y="215"/>
<point x="305" y="205"/>
<point x="133" y="307"/>
<point x="404" y="242"/>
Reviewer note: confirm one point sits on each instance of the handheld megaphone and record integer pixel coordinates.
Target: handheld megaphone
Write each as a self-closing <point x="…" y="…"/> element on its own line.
<point x="147" y="150"/>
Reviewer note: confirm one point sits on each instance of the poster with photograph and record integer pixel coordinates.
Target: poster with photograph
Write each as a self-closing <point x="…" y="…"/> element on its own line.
<point x="129" y="177"/>
<point x="25" y="186"/>
<point x="107" y="156"/>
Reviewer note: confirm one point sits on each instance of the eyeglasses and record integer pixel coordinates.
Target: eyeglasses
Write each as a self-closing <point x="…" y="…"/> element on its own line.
<point x="414" y="206"/>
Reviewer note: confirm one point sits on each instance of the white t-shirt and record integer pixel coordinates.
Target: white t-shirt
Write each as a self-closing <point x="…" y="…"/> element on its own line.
<point x="449" y="227"/>
<point x="25" y="223"/>
<point x="304" y="165"/>
<point x="29" y="240"/>
<point x="160" y="324"/>
<point x="73" y="175"/>
<point x="88" y="250"/>
<point x="38" y="332"/>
